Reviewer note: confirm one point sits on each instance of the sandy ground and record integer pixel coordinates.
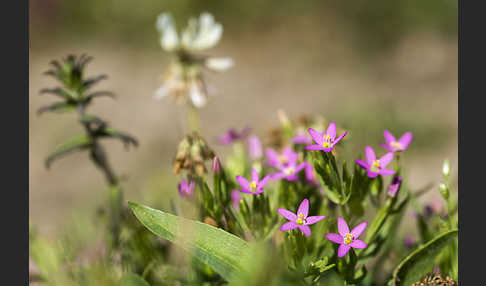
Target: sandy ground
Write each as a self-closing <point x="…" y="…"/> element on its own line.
<point x="418" y="79"/>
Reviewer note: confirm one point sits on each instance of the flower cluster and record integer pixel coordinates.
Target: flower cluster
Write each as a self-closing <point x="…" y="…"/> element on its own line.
<point x="184" y="80"/>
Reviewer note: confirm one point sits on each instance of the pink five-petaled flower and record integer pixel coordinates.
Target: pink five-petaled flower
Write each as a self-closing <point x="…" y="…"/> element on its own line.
<point x="347" y="238"/>
<point x="299" y="220"/>
<point x="394" y="145"/>
<point x="325" y="141"/>
<point x="276" y="160"/>
<point x="289" y="171"/>
<point x="255" y="186"/>
<point x="375" y="166"/>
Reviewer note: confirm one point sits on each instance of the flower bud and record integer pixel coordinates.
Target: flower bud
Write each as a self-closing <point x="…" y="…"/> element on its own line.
<point x="235" y="199"/>
<point x="395" y="186"/>
<point x="186" y="189"/>
<point x="216" y="165"/>
<point x="444" y="191"/>
<point x="446" y="168"/>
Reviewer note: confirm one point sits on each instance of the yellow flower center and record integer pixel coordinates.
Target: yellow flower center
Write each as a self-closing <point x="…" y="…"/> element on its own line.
<point x="300" y="220"/>
<point x="282" y="159"/>
<point x="375" y="166"/>
<point x="253" y="186"/>
<point x="327" y="141"/>
<point x="396" y="145"/>
<point x="348" y="238"/>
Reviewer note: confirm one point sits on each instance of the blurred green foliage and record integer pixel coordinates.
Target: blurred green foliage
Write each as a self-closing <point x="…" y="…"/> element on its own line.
<point x="373" y="25"/>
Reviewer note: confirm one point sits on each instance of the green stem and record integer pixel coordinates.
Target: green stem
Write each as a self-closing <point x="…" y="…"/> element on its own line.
<point x="193" y="119"/>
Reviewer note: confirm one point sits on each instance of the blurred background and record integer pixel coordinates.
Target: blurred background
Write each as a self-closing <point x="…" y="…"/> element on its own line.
<point x="368" y="66"/>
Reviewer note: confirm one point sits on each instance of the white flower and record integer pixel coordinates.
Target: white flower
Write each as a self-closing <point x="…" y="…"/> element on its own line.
<point x="169" y="40"/>
<point x="202" y="34"/>
<point x="219" y="64"/>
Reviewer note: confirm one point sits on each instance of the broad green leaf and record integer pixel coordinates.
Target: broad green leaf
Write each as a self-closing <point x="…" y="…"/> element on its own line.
<point x="73" y="144"/>
<point x="421" y="260"/>
<point x="132" y="279"/>
<point x="217" y="248"/>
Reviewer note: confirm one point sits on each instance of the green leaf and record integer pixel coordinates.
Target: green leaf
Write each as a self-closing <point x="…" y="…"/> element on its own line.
<point x="132" y="279"/>
<point x="76" y="143"/>
<point x="421" y="260"/>
<point x="57" y="107"/>
<point x="219" y="249"/>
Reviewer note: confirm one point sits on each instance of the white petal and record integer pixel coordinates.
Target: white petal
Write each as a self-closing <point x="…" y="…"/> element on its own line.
<point x="202" y="34"/>
<point x="161" y="92"/>
<point x="168" y="34"/>
<point x="197" y="96"/>
<point x="219" y="64"/>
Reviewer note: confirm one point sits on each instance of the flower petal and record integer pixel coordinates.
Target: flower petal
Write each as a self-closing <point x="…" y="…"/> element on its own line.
<point x="263" y="182"/>
<point x="343" y="249"/>
<point x="386" y="159"/>
<point x="254" y="175"/>
<point x="331" y="130"/>
<point x="405" y="140"/>
<point x="287" y="214"/>
<point x="386" y="147"/>
<point x="386" y="172"/>
<point x="362" y="164"/>
<point x="372" y="175"/>
<point x="300" y="167"/>
<point x="277" y="176"/>
<point x="339" y="138"/>
<point x="314" y="147"/>
<point x="389" y="138"/>
<point x="358" y="244"/>
<point x="356" y="232"/>
<point x="305" y="230"/>
<point x="316" y="136"/>
<point x="243" y="182"/>
<point x="370" y="155"/>
<point x="304" y="208"/>
<point x="334" y="237"/>
<point x="289" y="153"/>
<point x="272" y="157"/>
<point x="288" y="226"/>
<point x="313" y="219"/>
<point x="328" y="149"/>
<point x="343" y="228"/>
<point x="161" y="92"/>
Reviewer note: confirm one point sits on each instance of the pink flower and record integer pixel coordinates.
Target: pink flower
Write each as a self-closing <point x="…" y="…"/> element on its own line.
<point x="394" y="145"/>
<point x="347" y="238"/>
<point x="375" y="166"/>
<point x="299" y="220"/>
<point x="325" y="141"/>
<point x="255" y="186"/>
<point x="288" y="157"/>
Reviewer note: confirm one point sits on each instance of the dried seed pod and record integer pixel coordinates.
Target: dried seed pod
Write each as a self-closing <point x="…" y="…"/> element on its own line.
<point x="431" y="279"/>
<point x="192" y="153"/>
